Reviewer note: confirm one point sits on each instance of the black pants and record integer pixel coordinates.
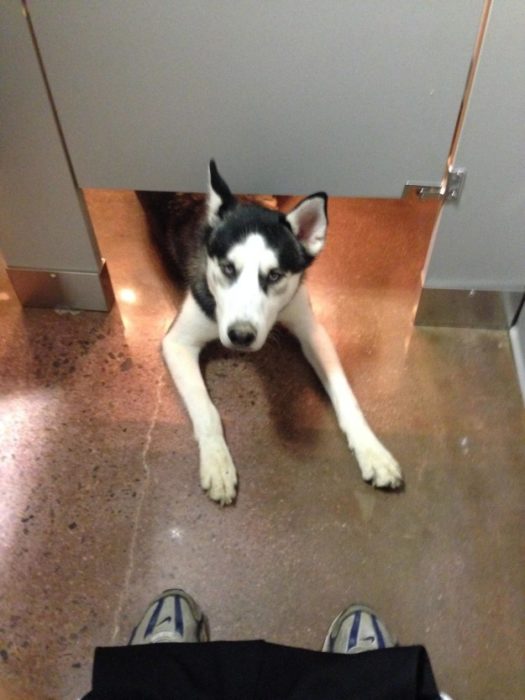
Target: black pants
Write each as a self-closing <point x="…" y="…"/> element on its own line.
<point x="259" y="671"/>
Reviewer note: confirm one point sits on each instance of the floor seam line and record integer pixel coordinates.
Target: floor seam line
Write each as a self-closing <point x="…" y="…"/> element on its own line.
<point x="147" y="474"/>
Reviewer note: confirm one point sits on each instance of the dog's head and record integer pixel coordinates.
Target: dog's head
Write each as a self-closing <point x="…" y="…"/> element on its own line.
<point x="256" y="258"/>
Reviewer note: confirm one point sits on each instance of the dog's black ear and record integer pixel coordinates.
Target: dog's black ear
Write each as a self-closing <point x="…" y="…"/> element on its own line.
<point x="219" y="196"/>
<point x="309" y="222"/>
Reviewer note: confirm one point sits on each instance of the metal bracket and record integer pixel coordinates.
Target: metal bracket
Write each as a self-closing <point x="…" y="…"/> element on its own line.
<point x="449" y="190"/>
<point x="454" y="184"/>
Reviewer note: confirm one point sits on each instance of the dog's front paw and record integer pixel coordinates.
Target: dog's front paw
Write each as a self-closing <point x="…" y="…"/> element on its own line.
<point x="218" y="475"/>
<point x="378" y="466"/>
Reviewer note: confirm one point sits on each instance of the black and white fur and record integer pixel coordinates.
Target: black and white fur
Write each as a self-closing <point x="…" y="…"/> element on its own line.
<point x="244" y="266"/>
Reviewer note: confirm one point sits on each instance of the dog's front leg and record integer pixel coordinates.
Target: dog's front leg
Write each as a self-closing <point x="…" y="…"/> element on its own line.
<point x="181" y="348"/>
<point x="376" y="463"/>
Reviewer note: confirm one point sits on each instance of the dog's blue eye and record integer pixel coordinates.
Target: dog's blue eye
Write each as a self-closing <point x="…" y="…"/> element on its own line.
<point x="274" y="276"/>
<point x="228" y="269"/>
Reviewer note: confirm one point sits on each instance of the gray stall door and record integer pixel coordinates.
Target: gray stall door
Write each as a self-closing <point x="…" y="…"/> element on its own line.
<point x="289" y="96"/>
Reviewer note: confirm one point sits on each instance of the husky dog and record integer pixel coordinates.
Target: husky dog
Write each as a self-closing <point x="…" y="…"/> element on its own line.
<point x="244" y="265"/>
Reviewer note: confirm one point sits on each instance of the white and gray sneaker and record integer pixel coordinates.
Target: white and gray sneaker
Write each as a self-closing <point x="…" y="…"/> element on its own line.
<point x="356" y="629"/>
<point x="172" y="617"/>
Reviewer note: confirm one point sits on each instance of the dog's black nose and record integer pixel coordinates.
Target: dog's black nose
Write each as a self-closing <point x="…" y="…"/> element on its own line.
<point x="242" y="334"/>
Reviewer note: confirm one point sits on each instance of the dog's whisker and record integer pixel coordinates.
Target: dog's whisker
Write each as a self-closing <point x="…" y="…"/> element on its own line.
<point x="275" y="337"/>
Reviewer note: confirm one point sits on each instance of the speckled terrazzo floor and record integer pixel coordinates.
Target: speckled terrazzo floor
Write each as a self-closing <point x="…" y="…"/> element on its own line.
<point x="101" y="507"/>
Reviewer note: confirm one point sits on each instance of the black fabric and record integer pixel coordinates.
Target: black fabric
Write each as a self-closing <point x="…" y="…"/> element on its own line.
<point x="259" y="671"/>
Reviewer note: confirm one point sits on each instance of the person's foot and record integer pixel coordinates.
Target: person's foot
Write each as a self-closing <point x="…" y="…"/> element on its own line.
<point x="172" y="617"/>
<point x="356" y="629"/>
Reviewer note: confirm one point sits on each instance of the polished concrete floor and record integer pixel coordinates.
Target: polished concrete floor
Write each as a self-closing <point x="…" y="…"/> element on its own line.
<point x="101" y="505"/>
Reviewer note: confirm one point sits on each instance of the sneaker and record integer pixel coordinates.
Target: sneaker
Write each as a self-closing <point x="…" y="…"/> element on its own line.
<point x="357" y="629"/>
<point x="172" y="617"/>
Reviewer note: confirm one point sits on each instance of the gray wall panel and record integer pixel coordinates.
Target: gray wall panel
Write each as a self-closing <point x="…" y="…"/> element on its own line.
<point x="480" y="243"/>
<point x="41" y="221"/>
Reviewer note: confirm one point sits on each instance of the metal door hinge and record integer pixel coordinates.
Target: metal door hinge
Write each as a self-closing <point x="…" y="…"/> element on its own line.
<point x="449" y="190"/>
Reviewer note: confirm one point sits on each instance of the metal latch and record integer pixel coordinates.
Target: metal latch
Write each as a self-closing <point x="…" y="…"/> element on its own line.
<point x="449" y="190"/>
